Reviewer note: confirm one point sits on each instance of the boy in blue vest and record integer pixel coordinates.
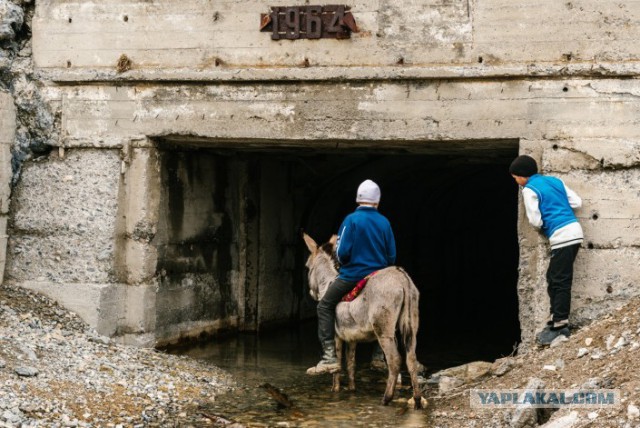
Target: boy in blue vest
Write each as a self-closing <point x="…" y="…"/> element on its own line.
<point x="365" y="244"/>
<point x="549" y="205"/>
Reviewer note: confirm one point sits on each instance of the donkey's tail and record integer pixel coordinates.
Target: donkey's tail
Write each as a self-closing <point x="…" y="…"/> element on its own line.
<point x="409" y="318"/>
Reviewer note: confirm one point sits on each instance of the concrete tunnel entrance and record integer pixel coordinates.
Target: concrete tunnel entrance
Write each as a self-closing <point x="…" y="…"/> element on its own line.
<point x="231" y="219"/>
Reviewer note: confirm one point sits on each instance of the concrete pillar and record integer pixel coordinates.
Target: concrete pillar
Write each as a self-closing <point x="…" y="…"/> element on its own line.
<point x="7" y="133"/>
<point x="136" y="258"/>
<point x="138" y="214"/>
<point x="533" y="263"/>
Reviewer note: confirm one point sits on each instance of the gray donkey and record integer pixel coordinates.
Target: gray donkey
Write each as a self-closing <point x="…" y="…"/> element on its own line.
<point x="389" y="301"/>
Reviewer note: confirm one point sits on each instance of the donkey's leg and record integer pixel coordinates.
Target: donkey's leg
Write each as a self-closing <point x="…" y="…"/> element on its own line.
<point x="413" y="366"/>
<point x="336" y="375"/>
<point x="351" y="365"/>
<point x="410" y="342"/>
<point x="390" y="348"/>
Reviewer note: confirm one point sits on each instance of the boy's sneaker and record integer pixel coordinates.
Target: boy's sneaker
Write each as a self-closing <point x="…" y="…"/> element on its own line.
<point x="546" y="336"/>
<point x="549" y="326"/>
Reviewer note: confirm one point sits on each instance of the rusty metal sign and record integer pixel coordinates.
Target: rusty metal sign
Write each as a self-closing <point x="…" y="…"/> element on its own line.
<point x="309" y="22"/>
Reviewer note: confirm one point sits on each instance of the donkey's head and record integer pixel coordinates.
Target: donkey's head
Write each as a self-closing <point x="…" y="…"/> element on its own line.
<point x="321" y="264"/>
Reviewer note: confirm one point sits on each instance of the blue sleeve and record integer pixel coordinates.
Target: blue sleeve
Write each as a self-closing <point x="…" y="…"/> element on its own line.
<point x="345" y="242"/>
<point x="391" y="247"/>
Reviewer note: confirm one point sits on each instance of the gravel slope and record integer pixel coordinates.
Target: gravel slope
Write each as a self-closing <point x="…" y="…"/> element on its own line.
<point x="55" y="371"/>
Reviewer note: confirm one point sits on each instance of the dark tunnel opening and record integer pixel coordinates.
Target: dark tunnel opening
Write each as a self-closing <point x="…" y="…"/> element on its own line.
<point x="453" y="208"/>
<point x="454" y="217"/>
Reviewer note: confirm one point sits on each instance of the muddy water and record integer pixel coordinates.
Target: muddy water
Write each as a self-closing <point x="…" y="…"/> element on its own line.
<point x="281" y="359"/>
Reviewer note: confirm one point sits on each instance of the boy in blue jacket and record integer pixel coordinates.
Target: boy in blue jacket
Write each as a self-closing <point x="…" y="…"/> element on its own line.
<point x="549" y="205"/>
<point x="365" y="244"/>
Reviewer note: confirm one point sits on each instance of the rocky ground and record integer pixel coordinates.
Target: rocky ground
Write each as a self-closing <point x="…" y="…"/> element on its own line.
<point x="605" y="355"/>
<point x="56" y="372"/>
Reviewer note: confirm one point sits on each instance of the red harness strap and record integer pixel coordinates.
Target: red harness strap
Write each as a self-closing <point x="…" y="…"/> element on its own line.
<point x="358" y="288"/>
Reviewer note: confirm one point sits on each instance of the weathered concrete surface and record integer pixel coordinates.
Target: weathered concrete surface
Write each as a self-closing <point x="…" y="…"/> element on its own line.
<point x="604" y="279"/>
<point x="608" y="180"/>
<point x="62" y="239"/>
<point x="151" y="244"/>
<point x="63" y="219"/>
<point x="477" y="37"/>
<point x="138" y="212"/>
<point x="277" y="301"/>
<point x="584" y="135"/>
<point x="196" y="243"/>
<point x="316" y="114"/>
<point x="7" y="134"/>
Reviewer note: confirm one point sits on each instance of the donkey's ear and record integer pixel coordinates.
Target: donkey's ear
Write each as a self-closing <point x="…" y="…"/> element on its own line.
<point x="311" y="244"/>
<point x="333" y="240"/>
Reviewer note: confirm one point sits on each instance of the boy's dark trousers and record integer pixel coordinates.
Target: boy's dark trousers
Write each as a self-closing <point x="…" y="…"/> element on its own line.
<point x="327" y="308"/>
<point x="559" y="280"/>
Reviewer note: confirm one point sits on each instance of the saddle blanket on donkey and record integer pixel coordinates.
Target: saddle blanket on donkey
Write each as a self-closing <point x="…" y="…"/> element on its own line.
<point x="358" y="288"/>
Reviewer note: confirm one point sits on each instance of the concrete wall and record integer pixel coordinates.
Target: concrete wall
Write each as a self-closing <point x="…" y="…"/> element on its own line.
<point x="583" y="130"/>
<point x="62" y="228"/>
<point x="308" y="114"/>
<point x="74" y="242"/>
<point x="552" y="75"/>
<point x="204" y="269"/>
<point x="279" y="241"/>
<point x="7" y="134"/>
<point x="221" y="39"/>
<point x="196" y="243"/>
<point x="607" y="176"/>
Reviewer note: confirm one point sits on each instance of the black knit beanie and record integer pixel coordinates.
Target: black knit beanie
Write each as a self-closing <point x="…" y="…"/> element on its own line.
<point x="524" y="166"/>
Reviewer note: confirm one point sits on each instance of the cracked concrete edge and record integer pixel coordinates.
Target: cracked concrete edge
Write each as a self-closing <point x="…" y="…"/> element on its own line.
<point x="556" y="155"/>
<point x="110" y="309"/>
<point x="328" y="73"/>
<point x="82" y="299"/>
<point x="7" y="135"/>
<point x="124" y="312"/>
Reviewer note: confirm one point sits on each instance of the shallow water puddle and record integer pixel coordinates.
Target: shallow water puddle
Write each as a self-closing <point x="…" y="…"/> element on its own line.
<point x="281" y="359"/>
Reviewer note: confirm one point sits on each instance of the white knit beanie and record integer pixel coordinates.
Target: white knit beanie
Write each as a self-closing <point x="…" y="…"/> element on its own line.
<point x="368" y="191"/>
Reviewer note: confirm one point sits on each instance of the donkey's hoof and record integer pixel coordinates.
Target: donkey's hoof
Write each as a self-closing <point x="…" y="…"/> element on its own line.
<point x="417" y="404"/>
<point x="386" y="400"/>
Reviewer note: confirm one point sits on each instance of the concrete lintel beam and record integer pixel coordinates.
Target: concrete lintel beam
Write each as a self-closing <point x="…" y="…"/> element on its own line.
<point x="341" y="74"/>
